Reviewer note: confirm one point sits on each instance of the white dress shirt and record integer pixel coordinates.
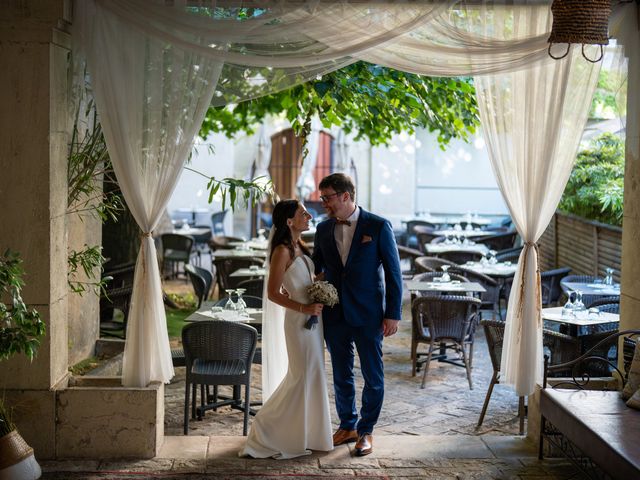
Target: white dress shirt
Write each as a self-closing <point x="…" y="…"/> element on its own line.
<point x="344" y="235"/>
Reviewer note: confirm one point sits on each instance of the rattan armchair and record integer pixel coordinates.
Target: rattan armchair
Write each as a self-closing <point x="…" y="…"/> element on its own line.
<point x="176" y="249"/>
<point x="460" y="257"/>
<point x="225" y="266"/>
<point x="499" y="241"/>
<point x="444" y="322"/>
<point x="431" y="264"/>
<point x="252" y="286"/>
<point x="494" y="334"/>
<point x="410" y="254"/>
<point x="612" y="304"/>
<point x="217" y="353"/>
<point x="201" y="280"/>
<point x="550" y="283"/>
<point x="491" y="297"/>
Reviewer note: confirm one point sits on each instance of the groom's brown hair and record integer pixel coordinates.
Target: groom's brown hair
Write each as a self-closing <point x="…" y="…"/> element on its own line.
<point x="340" y="183"/>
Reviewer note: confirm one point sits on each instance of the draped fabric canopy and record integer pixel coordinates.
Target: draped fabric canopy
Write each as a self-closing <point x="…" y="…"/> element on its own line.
<point x="157" y="65"/>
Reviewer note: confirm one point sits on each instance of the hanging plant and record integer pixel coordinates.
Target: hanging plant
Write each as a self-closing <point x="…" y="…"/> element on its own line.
<point x="20" y="327"/>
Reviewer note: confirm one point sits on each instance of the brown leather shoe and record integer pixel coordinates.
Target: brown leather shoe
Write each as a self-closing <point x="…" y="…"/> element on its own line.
<point x="364" y="445"/>
<point x="344" y="436"/>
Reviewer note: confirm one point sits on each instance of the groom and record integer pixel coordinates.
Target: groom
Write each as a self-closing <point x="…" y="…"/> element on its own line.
<point x="357" y="253"/>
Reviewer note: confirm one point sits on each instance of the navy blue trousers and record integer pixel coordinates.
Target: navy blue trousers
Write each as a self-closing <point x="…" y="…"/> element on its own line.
<point x="341" y="339"/>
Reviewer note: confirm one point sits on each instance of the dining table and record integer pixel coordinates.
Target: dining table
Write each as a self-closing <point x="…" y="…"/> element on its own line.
<point x="238" y="253"/>
<point x="209" y="310"/>
<point x="191" y="231"/>
<point x="442" y="247"/>
<point x="450" y="219"/>
<point x="249" y="272"/>
<point x="580" y="323"/>
<point x="592" y="289"/>
<point x="463" y="232"/>
<point x="453" y="286"/>
<point x="253" y="244"/>
<point x="499" y="270"/>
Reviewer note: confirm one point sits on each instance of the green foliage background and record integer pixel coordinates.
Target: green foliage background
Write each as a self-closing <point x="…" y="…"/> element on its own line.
<point x="596" y="186"/>
<point x="372" y="101"/>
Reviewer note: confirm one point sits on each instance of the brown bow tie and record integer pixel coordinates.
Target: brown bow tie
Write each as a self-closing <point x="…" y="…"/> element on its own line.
<point x="343" y="222"/>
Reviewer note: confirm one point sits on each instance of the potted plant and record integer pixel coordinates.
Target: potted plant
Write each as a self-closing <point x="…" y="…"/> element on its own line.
<point x="20" y="331"/>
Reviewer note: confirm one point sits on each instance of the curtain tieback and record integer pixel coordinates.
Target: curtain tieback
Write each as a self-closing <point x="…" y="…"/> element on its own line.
<point x="147" y="234"/>
<point x="528" y="245"/>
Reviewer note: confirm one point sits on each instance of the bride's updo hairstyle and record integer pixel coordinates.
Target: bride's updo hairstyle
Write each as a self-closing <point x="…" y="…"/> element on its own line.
<point x="283" y="211"/>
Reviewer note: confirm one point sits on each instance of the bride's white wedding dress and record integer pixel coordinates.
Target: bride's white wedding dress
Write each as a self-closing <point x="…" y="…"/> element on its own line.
<point x="296" y="419"/>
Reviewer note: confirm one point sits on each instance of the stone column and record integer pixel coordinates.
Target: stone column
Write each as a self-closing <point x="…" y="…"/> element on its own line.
<point x="34" y="129"/>
<point x="630" y="280"/>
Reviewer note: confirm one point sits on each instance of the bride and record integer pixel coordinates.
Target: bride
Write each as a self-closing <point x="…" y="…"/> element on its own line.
<point x="295" y="419"/>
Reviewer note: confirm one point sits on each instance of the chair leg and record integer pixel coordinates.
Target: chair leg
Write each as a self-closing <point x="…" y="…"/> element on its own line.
<point x="521" y="414"/>
<point x="494" y="380"/>
<point x="467" y="366"/>
<point x="414" y="357"/>
<point x="247" y="408"/>
<point x="426" y="366"/>
<point x="470" y="355"/>
<point x="194" y="391"/>
<point x="186" y="407"/>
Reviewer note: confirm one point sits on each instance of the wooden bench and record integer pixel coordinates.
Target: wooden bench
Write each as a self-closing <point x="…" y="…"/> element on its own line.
<point x="593" y="428"/>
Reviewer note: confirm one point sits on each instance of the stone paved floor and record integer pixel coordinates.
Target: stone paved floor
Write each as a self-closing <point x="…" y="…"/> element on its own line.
<point x="426" y="433"/>
<point x="445" y="407"/>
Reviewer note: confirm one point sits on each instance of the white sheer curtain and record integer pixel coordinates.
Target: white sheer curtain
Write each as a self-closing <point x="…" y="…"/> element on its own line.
<point x="152" y="98"/>
<point x="532" y="121"/>
<point x="306" y="182"/>
<point x="155" y="66"/>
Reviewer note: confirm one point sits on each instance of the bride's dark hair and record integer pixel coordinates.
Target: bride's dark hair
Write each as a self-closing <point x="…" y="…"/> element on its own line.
<point x="284" y="210"/>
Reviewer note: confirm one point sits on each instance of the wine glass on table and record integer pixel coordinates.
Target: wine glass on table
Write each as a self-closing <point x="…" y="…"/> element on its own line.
<point x="229" y="304"/>
<point x="241" y="305"/>
<point x="445" y="276"/>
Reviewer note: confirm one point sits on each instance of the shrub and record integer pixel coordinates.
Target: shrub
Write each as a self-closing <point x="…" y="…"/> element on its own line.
<point x="596" y="185"/>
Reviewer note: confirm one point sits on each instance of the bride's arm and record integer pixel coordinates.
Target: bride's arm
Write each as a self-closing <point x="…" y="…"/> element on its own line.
<point x="279" y="261"/>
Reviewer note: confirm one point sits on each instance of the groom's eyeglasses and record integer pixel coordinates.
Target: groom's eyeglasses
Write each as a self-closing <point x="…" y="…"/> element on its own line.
<point x="326" y="198"/>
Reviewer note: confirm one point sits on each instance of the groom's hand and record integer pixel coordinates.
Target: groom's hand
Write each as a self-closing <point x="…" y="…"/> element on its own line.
<point x="389" y="327"/>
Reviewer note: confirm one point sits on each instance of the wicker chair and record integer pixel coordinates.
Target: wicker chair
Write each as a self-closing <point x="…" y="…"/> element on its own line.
<point x="410" y="254"/>
<point x="611" y="304"/>
<point x="559" y="347"/>
<point x="218" y="242"/>
<point x="410" y="233"/>
<point x="586" y="299"/>
<point x="460" y="257"/>
<point x="499" y="241"/>
<point x="550" y="282"/>
<point x="225" y="266"/>
<point x="202" y="243"/>
<point x="116" y="297"/>
<point x="252" y="286"/>
<point x="217" y="353"/>
<point x="509" y="254"/>
<point x="494" y="334"/>
<point x="176" y="249"/>
<point x="424" y="235"/>
<point x="201" y="279"/>
<point x="491" y="297"/>
<point x="442" y="319"/>
<point x="217" y="222"/>
<point x="431" y="264"/>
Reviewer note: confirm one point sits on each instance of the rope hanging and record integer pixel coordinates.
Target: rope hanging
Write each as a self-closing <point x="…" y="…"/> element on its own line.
<point x="580" y="21"/>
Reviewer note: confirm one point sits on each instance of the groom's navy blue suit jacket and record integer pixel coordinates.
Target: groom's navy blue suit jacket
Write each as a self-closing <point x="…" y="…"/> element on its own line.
<point x="370" y="284"/>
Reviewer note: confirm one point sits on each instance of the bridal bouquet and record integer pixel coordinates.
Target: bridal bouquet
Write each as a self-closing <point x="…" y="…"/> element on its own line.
<point x="321" y="292"/>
